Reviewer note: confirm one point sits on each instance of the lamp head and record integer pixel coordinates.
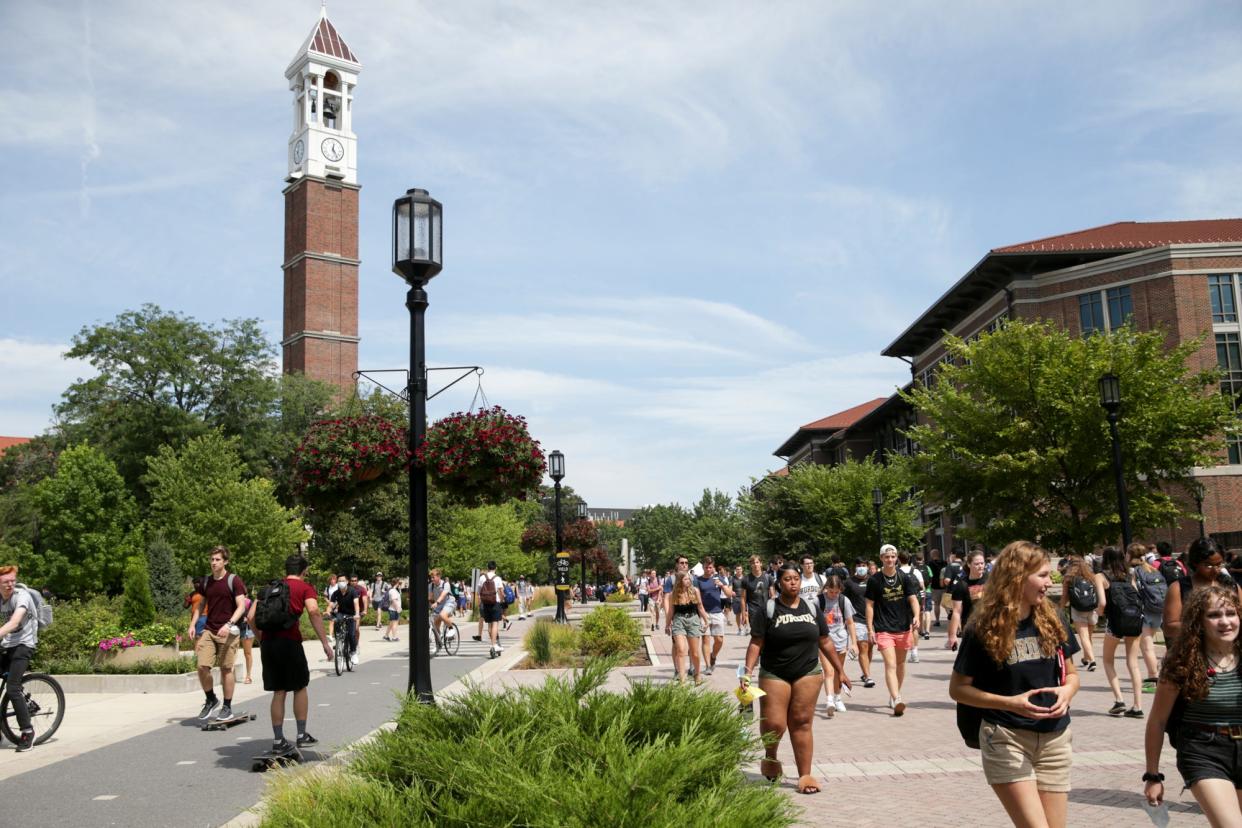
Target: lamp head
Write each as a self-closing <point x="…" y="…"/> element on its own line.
<point x="556" y="466"/>
<point x="1110" y="392"/>
<point x="417" y="237"/>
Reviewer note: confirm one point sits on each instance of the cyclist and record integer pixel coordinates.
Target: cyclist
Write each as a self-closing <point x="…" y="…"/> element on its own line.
<point x="364" y="597"/>
<point x="19" y="635"/>
<point x="345" y="610"/>
<point x="443" y="605"/>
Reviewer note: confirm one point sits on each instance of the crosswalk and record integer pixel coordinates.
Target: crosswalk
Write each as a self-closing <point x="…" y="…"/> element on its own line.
<point x="477" y="649"/>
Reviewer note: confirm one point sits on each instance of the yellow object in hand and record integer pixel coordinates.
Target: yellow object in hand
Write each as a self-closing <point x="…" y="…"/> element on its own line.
<point x="748" y="694"/>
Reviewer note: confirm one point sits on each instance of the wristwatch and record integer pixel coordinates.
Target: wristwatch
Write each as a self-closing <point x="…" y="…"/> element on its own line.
<point x="1153" y="777"/>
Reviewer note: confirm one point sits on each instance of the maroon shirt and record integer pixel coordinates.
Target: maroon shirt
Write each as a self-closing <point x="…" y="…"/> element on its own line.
<point x="221" y="604"/>
<point x="299" y="592"/>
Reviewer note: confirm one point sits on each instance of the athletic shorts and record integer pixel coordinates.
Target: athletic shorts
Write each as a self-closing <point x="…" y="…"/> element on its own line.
<point x="1203" y="755"/>
<point x="284" y="665"/>
<point x="394" y="615"/>
<point x="217" y="650"/>
<point x="715" y="623"/>
<point x="938" y="599"/>
<point x="691" y="626"/>
<point x="491" y="613"/>
<point x="860" y="631"/>
<point x="1017" y="755"/>
<point x="902" y="641"/>
<point x="818" y="670"/>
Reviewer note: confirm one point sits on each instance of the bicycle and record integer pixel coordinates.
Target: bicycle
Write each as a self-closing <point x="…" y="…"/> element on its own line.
<point x="450" y="644"/>
<point x="341" y="660"/>
<point x="45" y="700"/>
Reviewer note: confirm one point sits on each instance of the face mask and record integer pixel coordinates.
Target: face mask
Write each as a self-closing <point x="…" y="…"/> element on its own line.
<point x="342" y="584"/>
<point x="860" y="571"/>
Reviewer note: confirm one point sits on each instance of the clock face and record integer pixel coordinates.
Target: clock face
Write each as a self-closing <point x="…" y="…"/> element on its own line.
<point x="299" y="151"/>
<point x="332" y="149"/>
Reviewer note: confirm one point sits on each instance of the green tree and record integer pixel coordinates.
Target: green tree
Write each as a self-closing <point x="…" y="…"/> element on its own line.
<point x="200" y="497"/>
<point x="137" y="606"/>
<point x="777" y="519"/>
<point x="719" y="529"/>
<point x="167" y="582"/>
<point x="472" y="537"/>
<point x="1014" y="434"/>
<point x="657" y="533"/>
<point x="86" y="526"/>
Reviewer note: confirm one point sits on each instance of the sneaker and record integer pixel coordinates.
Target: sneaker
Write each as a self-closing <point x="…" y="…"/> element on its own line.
<point x="1117" y="709"/>
<point x="225" y="714"/>
<point x="927" y="636"/>
<point x="868" y="681"/>
<point x="1149" y="685"/>
<point x="914" y="656"/>
<point x="208" y="707"/>
<point x="829" y="709"/>
<point x="937" y="624"/>
<point x="281" y="746"/>
<point x="353" y="659"/>
<point x="305" y="740"/>
<point x="1091" y="667"/>
<point x="1134" y="713"/>
<point x="477" y="637"/>
<point x="709" y="669"/>
<point x="452" y="633"/>
<point x="521" y="617"/>
<point x="839" y="705"/>
<point x="899" y="707"/>
<point x="25" y="741"/>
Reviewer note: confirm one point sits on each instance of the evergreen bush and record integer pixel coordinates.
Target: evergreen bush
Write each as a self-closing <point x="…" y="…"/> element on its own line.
<point x="167" y="582"/>
<point x="137" y="606"/>
<point x="610" y="631"/>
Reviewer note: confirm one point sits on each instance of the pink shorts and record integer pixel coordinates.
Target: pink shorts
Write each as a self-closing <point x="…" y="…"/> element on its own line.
<point x="902" y="641"/>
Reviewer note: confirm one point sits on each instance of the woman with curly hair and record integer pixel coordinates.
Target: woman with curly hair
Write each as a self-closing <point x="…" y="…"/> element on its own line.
<point x="1207" y="566"/>
<point x="1201" y="690"/>
<point x="1015" y="665"/>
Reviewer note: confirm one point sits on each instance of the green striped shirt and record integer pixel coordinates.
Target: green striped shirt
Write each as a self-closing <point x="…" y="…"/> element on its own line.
<point x="1223" y="705"/>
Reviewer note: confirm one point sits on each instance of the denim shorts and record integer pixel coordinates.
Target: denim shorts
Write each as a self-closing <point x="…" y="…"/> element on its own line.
<point x="691" y="626"/>
<point x="1203" y="755"/>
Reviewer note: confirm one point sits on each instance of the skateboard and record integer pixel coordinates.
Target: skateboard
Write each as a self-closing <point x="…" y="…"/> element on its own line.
<point x="225" y="724"/>
<point x="269" y="759"/>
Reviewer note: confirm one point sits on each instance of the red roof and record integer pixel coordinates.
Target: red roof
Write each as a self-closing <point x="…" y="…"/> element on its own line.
<point x="9" y="442"/>
<point x="846" y="418"/>
<point x="324" y="40"/>
<point x="1134" y="235"/>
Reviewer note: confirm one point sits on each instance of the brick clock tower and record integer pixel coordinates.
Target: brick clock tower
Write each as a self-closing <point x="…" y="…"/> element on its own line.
<point x="321" y="212"/>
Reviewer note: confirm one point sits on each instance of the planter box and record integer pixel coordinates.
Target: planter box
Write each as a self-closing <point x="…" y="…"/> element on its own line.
<point x="133" y="655"/>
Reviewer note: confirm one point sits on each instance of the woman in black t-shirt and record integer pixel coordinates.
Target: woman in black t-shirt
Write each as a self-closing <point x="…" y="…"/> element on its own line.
<point x="1016" y="667"/>
<point x="787" y="647"/>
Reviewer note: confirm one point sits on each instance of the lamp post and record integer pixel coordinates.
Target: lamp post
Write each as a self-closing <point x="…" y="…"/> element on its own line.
<point x="417" y="256"/>
<point x="582" y="515"/>
<point x="877" y="500"/>
<point x="1198" y="490"/>
<point x="1110" y="399"/>
<point x="556" y="470"/>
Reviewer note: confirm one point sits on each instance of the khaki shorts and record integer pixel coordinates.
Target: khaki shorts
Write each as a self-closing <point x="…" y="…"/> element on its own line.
<point x="691" y="626"/>
<point x="1015" y="755"/>
<point x="217" y="650"/>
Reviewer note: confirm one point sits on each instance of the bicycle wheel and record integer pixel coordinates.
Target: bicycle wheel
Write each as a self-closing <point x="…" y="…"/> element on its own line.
<point x="339" y="656"/>
<point x="452" y="643"/>
<point x="46" y="703"/>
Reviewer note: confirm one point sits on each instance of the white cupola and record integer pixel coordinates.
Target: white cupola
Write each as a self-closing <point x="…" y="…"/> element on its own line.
<point x="322" y="77"/>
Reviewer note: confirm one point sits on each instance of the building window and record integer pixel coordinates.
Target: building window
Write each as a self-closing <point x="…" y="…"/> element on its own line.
<point x="1120" y="306"/>
<point x="1229" y="357"/>
<point x="1090" y="313"/>
<point x="1220" y="289"/>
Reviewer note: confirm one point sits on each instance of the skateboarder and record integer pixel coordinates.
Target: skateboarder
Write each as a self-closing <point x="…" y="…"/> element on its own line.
<point x="276" y="615"/>
<point x="225" y="596"/>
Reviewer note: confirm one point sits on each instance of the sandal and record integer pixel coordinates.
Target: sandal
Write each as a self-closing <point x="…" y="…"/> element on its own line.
<point x="808" y="784"/>
<point x="765" y="768"/>
<point x="247" y="681"/>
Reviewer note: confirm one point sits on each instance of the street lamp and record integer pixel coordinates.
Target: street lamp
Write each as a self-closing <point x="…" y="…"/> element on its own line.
<point x="877" y="500"/>
<point x="1197" y="487"/>
<point x="582" y="515"/>
<point x="556" y="470"/>
<point x="1110" y="399"/>
<point x="417" y="256"/>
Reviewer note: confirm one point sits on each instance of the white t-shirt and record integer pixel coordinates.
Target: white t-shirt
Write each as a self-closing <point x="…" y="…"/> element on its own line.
<point x="809" y="591"/>
<point x="500" y="586"/>
<point x="27" y="632"/>
<point x="394" y="599"/>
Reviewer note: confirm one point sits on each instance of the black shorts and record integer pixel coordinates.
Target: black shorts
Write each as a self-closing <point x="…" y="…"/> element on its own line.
<point x="284" y="664"/>
<point x="491" y="613"/>
<point x="1203" y="755"/>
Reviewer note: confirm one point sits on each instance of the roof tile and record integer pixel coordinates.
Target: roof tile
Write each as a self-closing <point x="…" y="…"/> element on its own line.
<point x="846" y="418"/>
<point x="1134" y="235"/>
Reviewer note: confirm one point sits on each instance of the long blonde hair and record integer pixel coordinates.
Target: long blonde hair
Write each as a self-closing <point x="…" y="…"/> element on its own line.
<point x="683" y="593"/>
<point x="994" y="620"/>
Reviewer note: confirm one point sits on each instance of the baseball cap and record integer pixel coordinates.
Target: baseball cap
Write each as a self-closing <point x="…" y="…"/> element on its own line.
<point x="888" y="547"/>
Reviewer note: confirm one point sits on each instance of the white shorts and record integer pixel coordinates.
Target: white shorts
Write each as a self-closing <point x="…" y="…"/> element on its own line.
<point x="715" y="623"/>
<point x="860" y="630"/>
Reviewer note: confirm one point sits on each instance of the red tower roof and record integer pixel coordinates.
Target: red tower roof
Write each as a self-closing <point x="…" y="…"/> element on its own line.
<point x="325" y="40"/>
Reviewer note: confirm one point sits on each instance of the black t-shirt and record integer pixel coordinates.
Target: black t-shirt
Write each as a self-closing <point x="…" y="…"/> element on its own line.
<point x="756" y="592"/>
<point x="856" y="592"/>
<point x="790" y="639"/>
<point x="968" y="590"/>
<point x="892" y="613"/>
<point x="1026" y="668"/>
<point x="345" y="600"/>
<point x="952" y="571"/>
<point x="936" y="568"/>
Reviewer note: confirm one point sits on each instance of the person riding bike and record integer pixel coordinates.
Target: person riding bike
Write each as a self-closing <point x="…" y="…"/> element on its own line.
<point x="346" y="609"/>
<point x="19" y="635"/>
<point x="443" y="605"/>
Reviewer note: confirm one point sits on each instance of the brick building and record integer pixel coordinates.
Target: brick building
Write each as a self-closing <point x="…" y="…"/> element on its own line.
<point x="321" y="212"/>
<point x="1180" y="276"/>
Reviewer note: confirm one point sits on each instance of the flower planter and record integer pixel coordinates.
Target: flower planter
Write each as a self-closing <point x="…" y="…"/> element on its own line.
<point x="482" y="457"/>
<point x="133" y="655"/>
<point x="339" y="460"/>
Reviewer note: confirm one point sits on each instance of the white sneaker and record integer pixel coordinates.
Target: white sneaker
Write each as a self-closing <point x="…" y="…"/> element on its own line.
<point x="353" y="659"/>
<point x="452" y="633"/>
<point x="839" y="705"/>
<point x="499" y="649"/>
<point x="829" y="708"/>
<point x="914" y="656"/>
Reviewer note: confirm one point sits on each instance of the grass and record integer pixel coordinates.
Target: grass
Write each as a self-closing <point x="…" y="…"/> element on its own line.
<point x="83" y="665"/>
<point x="553" y="645"/>
<point x="574" y="755"/>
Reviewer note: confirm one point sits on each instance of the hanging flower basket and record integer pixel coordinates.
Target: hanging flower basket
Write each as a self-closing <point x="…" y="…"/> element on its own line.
<point x="340" y="459"/>
<point x="482" y="457"/>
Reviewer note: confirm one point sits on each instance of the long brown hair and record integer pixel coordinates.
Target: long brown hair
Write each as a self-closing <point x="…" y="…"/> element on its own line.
<point x="1186" y="663"/>
<point x="683" y="593"/>
<point x="994" y="620"/>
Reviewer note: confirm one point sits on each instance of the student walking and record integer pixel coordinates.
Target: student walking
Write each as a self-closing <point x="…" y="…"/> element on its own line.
<point x="892" y="617"/>
<point x="838" y="612"/>
<point x="685" y="620"/>
<point x="856" y="590"/>
<point x="1083" y="597"/>
<point x="1015" y="670"/>
<point x="394" y="612"/>
<point x="756" y="590"/>
<point x="1153" y="589"/>
<point x="655" y="597"/>
<point x="786" y="639"/>
<point x="715" y="593"/>
<point x="490" y="591"/>
<point x="967" y="589"/>
<point x="1201" y="691"/>
<point x="1124" y="610"/>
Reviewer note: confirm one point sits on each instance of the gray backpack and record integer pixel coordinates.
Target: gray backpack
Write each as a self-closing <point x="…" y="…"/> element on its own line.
<point x="42" y="609"/>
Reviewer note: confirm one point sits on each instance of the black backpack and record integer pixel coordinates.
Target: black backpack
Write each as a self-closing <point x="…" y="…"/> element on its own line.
<point x="1152" y="588"/>
<point x="273" y="611"/>
<point x="1124" y="608"/>
<point x="1082" y="595"/>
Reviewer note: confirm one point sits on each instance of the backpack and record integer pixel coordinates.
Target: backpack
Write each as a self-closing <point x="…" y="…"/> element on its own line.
<point x="487" y="592"/>
<point x="1152" y="589"/>
<point x="1124" y="608"/>
<point x="510" y="595"/>
<point x="1172" y="570"/>
<point x="274" y="611"/>
<point x="42" y="610"/>
<point x="1082" y="595"/>
<point x="383" y="601"/>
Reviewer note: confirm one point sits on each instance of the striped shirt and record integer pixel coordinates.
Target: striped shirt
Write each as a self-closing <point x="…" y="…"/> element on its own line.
<point x="1223" y="705"/>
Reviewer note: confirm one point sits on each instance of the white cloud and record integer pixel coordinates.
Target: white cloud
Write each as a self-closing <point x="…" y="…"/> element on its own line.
<point x="33" y="374"/>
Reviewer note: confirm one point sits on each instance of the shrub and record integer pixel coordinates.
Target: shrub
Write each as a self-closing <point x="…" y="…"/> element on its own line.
<point x="656" y="756"/>
<point x="137" y="607"/>
<point x="70" y="636"/>
<point x="619" y="598"/>
<point x="167" y="583"/>
<point x="610" y="631"/>
<point x="82" y="666"/>
<point x="552" y="645"/>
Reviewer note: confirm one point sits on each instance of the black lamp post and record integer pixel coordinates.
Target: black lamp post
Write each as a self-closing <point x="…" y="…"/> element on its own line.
<point x="1198" y="490"/>
<point x="877" y="500"/>
<point x="582" y="515"/>
<point x="556" y="470"/>
<point x="417" y="256"/>
<point x="1110" y="399"/>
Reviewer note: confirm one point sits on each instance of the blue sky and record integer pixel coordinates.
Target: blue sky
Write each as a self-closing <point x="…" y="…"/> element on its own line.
<point x="673" y="231"/>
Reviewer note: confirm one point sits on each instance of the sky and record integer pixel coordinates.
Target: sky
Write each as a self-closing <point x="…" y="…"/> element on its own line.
<point x="674" y="232"/>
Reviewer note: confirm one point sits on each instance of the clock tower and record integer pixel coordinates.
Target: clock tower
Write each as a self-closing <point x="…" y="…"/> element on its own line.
<point x="321" y="212"/>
